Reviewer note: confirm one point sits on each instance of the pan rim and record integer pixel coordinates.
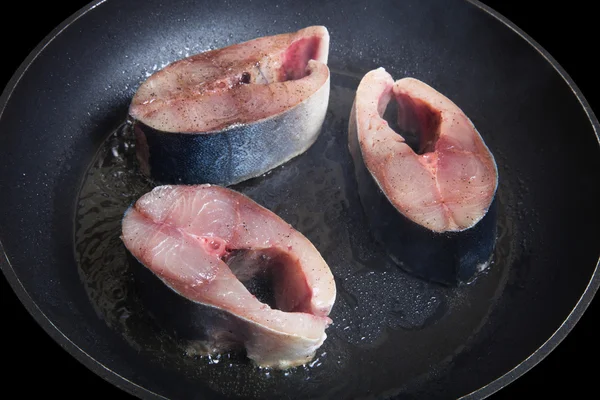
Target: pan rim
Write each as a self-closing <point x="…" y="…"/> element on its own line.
<point x="123" y="383"/>
<point x="6" y="266"/>
<point x="590" y="291"/>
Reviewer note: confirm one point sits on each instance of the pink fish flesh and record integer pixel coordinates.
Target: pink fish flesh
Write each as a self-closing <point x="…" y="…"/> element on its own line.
<point x="204" y="242"/>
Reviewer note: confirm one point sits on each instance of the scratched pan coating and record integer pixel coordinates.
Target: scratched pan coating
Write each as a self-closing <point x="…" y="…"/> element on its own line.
<point x="393" y="335"/>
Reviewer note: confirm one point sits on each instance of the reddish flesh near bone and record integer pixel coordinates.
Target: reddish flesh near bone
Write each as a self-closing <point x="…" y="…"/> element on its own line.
<point x="239" y="84"/>
<point x="451" y="184"/>
<point x="183" y="233"/>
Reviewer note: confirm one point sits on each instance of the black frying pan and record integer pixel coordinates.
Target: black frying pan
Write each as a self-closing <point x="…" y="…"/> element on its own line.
<point x="574" y="249"/>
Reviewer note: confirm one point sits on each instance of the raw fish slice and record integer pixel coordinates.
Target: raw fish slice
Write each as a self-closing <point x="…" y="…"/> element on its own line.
<point x="432" y="208"/>
<point x="231" y="114"/>
<point x="187" y="236"/>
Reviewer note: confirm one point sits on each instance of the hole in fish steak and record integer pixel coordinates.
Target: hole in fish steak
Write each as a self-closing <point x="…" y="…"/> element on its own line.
<point x="296" y="57"/>
<point x="416" y="122"/>
<point x="272" y="276"/>
<point x="294" y="64"/>
<point x="391" y="117"/>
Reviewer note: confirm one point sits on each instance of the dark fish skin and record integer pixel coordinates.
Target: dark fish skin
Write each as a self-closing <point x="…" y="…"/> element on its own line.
<point x="235" y="154"/>
<point x="449" y="258"/>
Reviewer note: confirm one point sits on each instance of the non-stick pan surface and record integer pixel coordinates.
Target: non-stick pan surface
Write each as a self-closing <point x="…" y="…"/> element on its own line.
<point x="41" y="365"/>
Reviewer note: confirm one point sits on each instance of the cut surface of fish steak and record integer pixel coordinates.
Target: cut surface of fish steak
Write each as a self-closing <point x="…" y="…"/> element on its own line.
<point x="186" y="235"/>
<point x="449" y="184"/>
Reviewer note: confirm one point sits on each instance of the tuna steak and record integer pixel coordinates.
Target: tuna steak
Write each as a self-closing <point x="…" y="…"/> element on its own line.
<point x="209" y="245"/>
<point x="231" y="114"/>
<point x="431" y="208"/>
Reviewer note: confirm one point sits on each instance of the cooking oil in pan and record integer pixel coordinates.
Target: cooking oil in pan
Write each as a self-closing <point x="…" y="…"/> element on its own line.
<point x="389" y="329"/>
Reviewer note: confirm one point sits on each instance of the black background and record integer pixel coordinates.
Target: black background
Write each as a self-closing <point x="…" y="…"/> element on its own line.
<point x="37" y="366"/>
